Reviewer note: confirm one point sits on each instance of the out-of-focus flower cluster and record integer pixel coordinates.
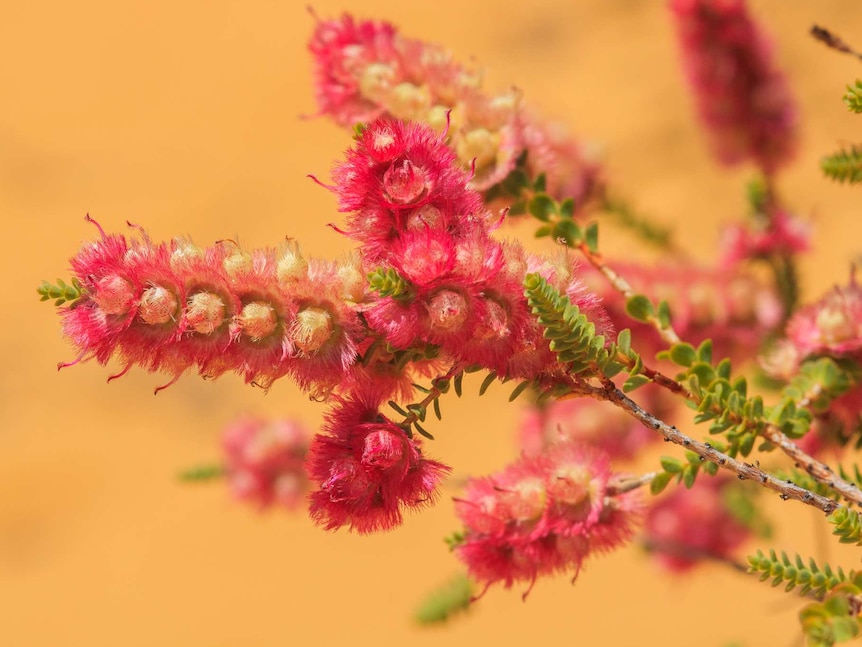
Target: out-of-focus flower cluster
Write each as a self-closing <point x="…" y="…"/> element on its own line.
<point x="688" y="526"/>
<point x="830" y="327"/>
<point x="367" y="69"/>
<point x="264" y="461"/>
<point x="742" y="97"/>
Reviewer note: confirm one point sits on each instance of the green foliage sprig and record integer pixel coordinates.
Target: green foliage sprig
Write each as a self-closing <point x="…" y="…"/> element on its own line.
<point x="844" y="166"/>
<point x="853" y="97"/>
<point x="573" y="337"/>
<point x="389" y="283"/>
<point x="441" y="604"/>
<point x="848" y="526"/>
<point x="793" y="573"/>
<point x="62" y="292"/>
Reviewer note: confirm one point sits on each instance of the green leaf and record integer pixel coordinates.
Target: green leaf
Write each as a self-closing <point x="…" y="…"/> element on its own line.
<point x="567" y="231"/>
<point x="397" y="408"/>
<point x="664" y="314"/>
<point x="441" y="604"/>
<point x="422" y="431"/>
<point x="853" y="97"/>
<point x="542" y="206"/>
<point x="591" y="237"/>
<point x="689" y="475"/>
<point x="683" y="354"/>
<point x="417" y="410"/>
<point x="516" y="182"/>
<point x="203" y="473"/>
<point x="518" y="208"/>
<point x="540" y="184"/>
<point x="659" y="482"/>
<point x="567" y="208"/>
<point x="489" y="379"/>
<point x="704" y="351"/>
<point x="671" y="465"/>
<point x="518" y="390"/>
<point x="624" y="341"/>
<point x="635" y="382"/>
<point x="640" y="308"/>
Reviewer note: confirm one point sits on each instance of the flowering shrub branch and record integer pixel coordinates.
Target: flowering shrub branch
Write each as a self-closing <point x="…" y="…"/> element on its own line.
<point x="438" y="165"/>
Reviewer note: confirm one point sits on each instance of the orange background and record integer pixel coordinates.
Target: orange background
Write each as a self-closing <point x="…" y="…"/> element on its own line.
<point x="183" y="117"/>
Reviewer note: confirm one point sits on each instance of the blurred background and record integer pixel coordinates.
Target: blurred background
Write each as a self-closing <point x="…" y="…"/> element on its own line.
<point x="186" y="118"/>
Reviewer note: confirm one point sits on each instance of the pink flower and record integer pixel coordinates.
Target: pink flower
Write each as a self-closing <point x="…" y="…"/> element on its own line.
<point x="687" y="526"/>
<point x="367" y="469"/>
<point x="401" y="177"/>
<point x="365" y="70"/>
<point x="592" y="423"/>
<point x="832" y="326"/>
<point x="173" y="306"/>
<point x="781" y="235"/>
<point x="540" y="515"/>
<point x="742" y="97"/>
<point x="264" y="461"/>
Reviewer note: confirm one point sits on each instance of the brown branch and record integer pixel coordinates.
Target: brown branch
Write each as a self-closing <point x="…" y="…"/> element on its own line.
<point x="819" y="471"/>
<point x="744" y="471"/>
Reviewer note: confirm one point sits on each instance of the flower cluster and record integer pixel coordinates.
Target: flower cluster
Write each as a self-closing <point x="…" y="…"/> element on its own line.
<point x="366" y="69"/>
<point x="729" y="305"/>
<point x="780" y="235"/>
<point x="742" y="97"/>
<point x="367" y="469"/>
<point x="542" y="514"/>
<point x="593" y="423"/>
<point x="459" y="288"/>
<point x="268" y="313"/>
<point x="264" y="461"/>
<point x="691" y="525"/>
<point x="172" y="306"/>
<point x="830" y="327"/>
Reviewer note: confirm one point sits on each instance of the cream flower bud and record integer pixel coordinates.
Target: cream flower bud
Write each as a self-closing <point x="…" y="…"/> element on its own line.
<point x="158" y="305"/>
<point x="258" y="320"/>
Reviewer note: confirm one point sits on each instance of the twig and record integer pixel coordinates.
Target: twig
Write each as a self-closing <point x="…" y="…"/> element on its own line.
<point x="744" y="471"/>
<point x="832" y="41"/>
<point x="623" y="484"/>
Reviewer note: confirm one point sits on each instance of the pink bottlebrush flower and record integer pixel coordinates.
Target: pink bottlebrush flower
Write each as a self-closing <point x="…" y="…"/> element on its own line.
<point x="355" y="62"/>
<point x="365" y="70"/>
<point x="592" y="423"/>
<point x="832" y="326"/>
<point x="742" y="97"/>
<point x="263" y="314"/>
<point x="326" y="329"/>
<point x="781" y="235"/>
<point x="367" y="469"/>
<point x="448" y="278"/>
<point x="835" y="428"/>
<point x="687" y="526"/>
<point x="264" y="461"/>
<point x="540" y="515"/>
<point x="401" y="176"/>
